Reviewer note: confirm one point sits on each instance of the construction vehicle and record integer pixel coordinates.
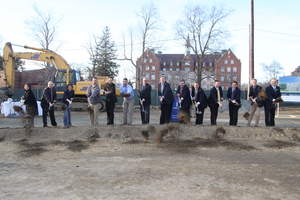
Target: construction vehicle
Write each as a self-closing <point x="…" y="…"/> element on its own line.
<point x="64" y="73"/>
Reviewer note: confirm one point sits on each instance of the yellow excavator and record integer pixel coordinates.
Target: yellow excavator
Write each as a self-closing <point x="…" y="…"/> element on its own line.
<point x="63" y="76"/>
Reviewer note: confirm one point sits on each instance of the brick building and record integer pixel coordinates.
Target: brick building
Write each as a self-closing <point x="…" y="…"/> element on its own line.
<point x="224" y="66"/>
<point x="296" y="72"/>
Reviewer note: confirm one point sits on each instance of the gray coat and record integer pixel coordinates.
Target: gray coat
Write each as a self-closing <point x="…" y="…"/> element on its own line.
<point x="93" y="94"/>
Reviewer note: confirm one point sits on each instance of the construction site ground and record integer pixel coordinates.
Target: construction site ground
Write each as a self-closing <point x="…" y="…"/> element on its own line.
<point x="192" y="162"/>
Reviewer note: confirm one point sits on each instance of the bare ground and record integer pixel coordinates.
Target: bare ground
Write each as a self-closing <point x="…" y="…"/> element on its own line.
<point x="190" y="163"/>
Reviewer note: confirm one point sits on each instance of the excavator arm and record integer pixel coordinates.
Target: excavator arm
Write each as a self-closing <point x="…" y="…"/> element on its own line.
<point x="42" y="55"/>
<point x="9" y="66"/>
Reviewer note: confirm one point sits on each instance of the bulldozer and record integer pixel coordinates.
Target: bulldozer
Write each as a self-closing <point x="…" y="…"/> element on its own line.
<point x="63" y="76"/>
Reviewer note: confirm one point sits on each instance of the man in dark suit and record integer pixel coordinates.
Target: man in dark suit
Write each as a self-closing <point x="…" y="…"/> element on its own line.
<point x="111" y="99"/>
<point x="166" y="98"/>
<point x="185" y="101"/>
<point x="200" y="101"/>
<point x="234" y="98"/>
<point x="273" y="95"/>
<point x="47" y="103"/>
<point x="215" y="101"/>
<point x="256" y="103"/>
<point x="145" y="101"/>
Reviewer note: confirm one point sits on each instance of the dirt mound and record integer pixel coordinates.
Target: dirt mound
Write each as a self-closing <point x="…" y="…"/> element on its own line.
<point x="280" y="144"/>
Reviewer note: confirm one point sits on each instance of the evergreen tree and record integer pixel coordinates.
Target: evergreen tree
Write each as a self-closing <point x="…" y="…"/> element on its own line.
<point x="104" y="54"/>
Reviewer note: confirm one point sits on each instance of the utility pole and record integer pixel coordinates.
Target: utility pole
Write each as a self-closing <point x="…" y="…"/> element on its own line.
<point x="251" y="45"/>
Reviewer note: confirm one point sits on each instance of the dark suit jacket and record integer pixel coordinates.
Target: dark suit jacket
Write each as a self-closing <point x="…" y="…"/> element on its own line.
<point x="272" y="94"/>
<point x="111" y="97"/>
<point x="186" y="95"/>
<point x="167" y="93"/>
<point x="254" y="92"/>
<point x="236" y="95"/>
<point x="200" y="97"/>
<point x="145" y="93"/>
<point x="49" y="95"/>
<point x="213" y="97"/>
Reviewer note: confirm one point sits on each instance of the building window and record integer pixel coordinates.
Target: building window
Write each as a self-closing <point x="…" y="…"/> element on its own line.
<point x="147" y="76"/>
<point x="171" y="63"/>
<point x="234" y="69"/>
<point x="171" y="69"/>
<point x="152" y="76"/>
<point x="177" y="69"/>
<point x="147" y="68"/>
<point x="226" y="62"/>
<point x="187" y="63"/>
<point x="187" y="69"/>
<point x="210" y="64"/>
<point x="178" y="63"/>
<point x="153" y="68"/>
<point x="234" y="78"/>
<point x="222" y="78"/>
<point x="164" y="63"/>
<point x="164" y="69"/>
<point x="228" y="69"/>
<point x="222" y="69"/>
<point x="229" y="78"/>
<point x="232" y="62"/>
<point x="145" y="60"/>
<point x="150" y="60"/>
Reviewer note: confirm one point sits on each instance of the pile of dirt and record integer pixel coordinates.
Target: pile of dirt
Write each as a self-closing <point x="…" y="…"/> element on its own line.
<point x="186" y="145"/>
<point x="278" y="144"/>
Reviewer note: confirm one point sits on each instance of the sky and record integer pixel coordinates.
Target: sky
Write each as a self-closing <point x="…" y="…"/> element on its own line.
<point x="277" y="28"/>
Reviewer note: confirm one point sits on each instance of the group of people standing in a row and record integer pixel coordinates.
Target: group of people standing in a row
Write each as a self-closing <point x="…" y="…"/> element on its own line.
<point x="187" y="98"/>
<point x="259" y="97"/>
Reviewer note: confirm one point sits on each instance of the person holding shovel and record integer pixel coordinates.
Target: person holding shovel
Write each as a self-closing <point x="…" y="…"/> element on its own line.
<point x="68" y="99"/>
<point x="110" y="101"/>
<point x="93" y="97"/>
<point x="234" y="99"/>
<point x="47" y="103"/>
<point x="29" y="101"/>
<point x="145" y="101"/>
<point x="185" y="101"/>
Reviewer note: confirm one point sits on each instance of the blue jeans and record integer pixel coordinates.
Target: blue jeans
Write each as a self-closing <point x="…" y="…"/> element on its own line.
<point x="67" y="116"/>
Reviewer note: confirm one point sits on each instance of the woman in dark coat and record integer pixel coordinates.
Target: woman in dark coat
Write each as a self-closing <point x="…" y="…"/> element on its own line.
<point x="67" y="99"/>
<point x="30" y="103"/>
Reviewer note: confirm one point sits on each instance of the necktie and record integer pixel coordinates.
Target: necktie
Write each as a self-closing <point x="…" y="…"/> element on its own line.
<point x="51" y="92"/>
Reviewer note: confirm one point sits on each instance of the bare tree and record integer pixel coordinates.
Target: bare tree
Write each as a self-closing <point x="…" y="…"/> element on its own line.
<point x="91" y="71"/>
<point x="201" y="29"/>
<point x="149" y="18"/>
<point x="44" y="27"/>
<point x="272" y="70"/>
